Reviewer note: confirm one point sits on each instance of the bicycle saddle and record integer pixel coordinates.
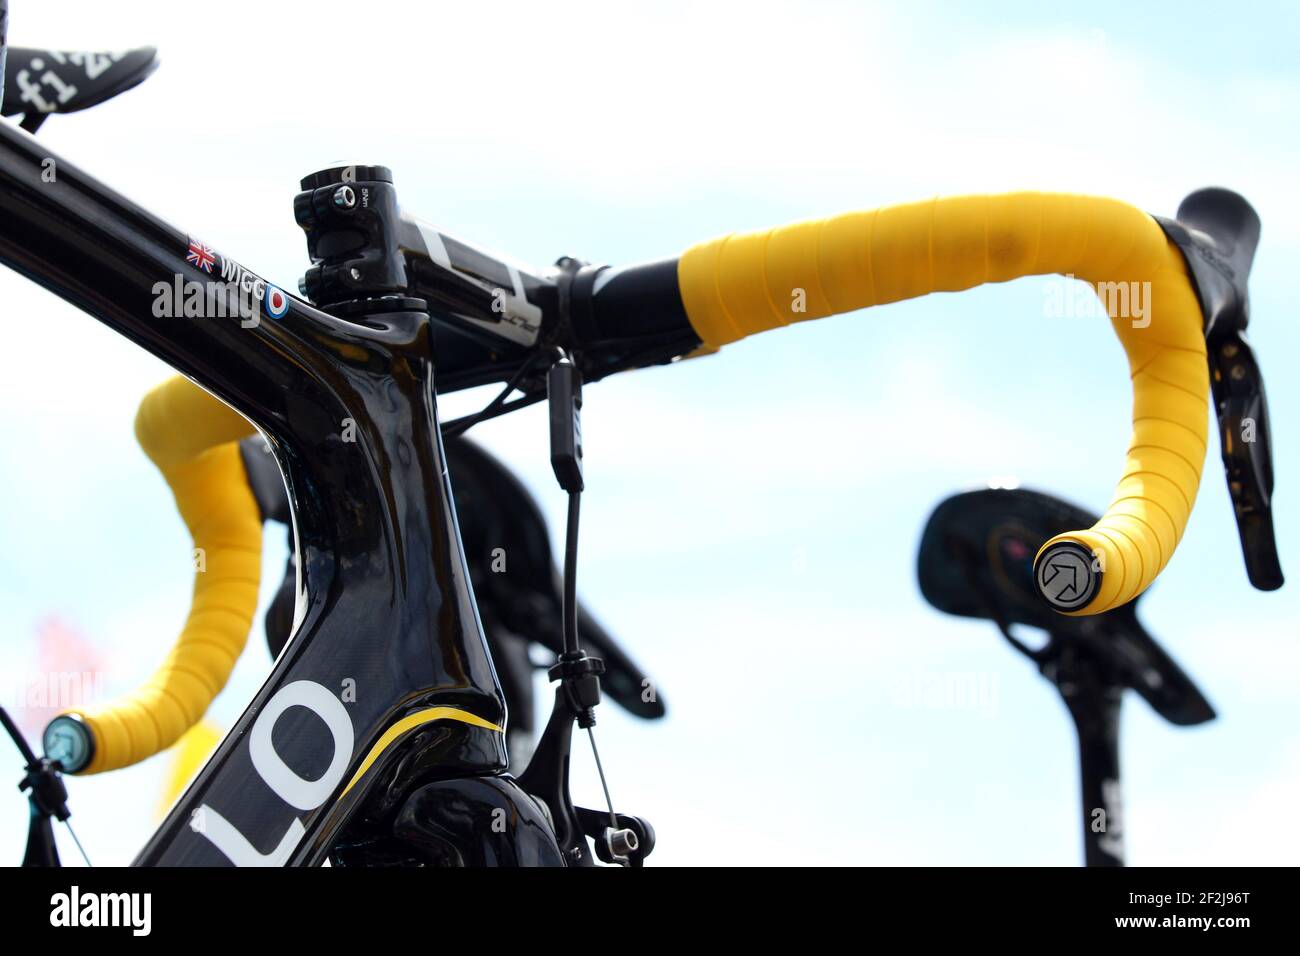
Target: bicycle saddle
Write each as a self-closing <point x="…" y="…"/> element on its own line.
<point x="518" y="588"/>
<point x="976" y="560"/>
<point x="40" y="82"/>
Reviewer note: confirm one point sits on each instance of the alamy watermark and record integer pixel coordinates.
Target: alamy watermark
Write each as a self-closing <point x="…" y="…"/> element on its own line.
<point x="133" y="911"/>
<point x="212" y="299"/>
<point x="51" y="690"/>
<point x="1068" y="297"/>
<point x="921" y="689"/>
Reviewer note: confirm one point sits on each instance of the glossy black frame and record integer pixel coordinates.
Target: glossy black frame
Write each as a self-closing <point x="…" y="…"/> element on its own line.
<point x="385" y="605"/>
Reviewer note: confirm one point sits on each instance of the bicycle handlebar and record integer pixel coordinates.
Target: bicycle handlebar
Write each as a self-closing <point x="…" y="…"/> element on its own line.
<point x="192" y="438"/>
<point x="740" y="285"/>
<point x="730" y="288"/>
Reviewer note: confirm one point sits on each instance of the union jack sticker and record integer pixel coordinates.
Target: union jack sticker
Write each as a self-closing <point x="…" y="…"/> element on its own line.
<point x="201" y="256"/>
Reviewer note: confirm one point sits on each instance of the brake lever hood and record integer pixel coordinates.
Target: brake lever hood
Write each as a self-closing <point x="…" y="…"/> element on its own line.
<point x="1217" y="231"/>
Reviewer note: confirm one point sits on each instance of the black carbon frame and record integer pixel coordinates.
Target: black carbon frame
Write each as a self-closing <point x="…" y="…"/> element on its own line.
<point x="390" y="623"/>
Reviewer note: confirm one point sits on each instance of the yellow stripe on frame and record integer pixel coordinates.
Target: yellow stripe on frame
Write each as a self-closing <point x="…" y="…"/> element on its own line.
<point x="408" y="723"/>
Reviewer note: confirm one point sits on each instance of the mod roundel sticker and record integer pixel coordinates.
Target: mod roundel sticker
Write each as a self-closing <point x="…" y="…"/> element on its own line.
<point x="277" y="303"/>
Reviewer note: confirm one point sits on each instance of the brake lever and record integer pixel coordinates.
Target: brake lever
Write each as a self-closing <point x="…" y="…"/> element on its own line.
<point x="1217" y="232"/>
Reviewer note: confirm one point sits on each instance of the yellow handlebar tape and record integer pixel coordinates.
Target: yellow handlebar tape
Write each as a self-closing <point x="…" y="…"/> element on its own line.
<point x="191" y="437"/>
<point x="742" y="284"/>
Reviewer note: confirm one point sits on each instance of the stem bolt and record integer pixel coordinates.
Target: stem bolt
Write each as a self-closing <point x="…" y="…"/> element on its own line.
<point x="345" y="197"/>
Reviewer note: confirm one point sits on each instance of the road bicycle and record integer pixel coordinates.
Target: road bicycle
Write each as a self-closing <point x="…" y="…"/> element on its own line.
<point x="378" y="737"/>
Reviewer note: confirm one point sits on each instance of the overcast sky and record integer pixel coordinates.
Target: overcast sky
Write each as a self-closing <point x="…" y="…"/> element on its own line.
<point x="751" y="519"/>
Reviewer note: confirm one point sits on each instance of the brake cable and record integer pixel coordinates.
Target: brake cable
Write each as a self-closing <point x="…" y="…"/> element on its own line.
<point x="564" y="388"/>
<point x="48" y="798"/>
<point x="656" y="353"/>
<point x="620" y="838"/>
<point x="498" y="406"/>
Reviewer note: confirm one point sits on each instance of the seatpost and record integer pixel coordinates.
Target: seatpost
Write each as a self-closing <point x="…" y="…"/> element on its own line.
<point x="1093" y="698"/>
